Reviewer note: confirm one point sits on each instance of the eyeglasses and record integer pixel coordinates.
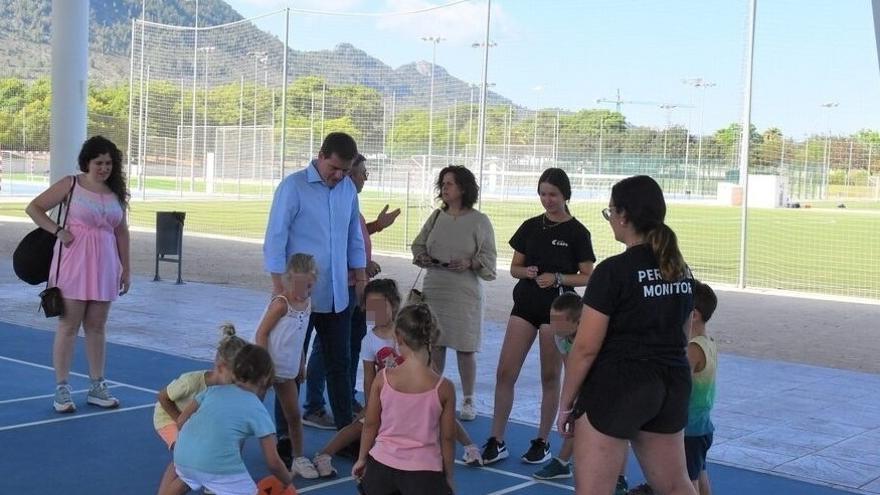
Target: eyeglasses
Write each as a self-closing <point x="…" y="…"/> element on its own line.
<point x="606" y="212"/>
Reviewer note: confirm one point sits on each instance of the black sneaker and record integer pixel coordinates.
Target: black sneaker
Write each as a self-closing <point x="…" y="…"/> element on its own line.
<point x="494" y="451"/>
<point x="538" y="453"/>
<point x="284" y="451"/>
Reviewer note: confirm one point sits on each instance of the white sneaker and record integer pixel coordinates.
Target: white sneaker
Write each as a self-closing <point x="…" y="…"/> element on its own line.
<point x="63" y="403"/>
<point x="99" y="395"/>
<point x="468" y="411"/>
<point x="303" y="467"/>
<point x="324" y="466"/>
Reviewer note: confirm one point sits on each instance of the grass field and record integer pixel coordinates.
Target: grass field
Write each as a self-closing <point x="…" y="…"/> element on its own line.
<point x="831" y="251"/>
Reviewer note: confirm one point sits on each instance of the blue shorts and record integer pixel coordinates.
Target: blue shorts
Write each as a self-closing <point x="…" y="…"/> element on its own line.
<point x="695" y="450"/>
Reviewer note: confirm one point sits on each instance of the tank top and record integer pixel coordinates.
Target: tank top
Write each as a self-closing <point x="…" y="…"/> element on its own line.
<point x="287" y="339"/>
<point x="702" y="390"/>
<point x="409" y="433"/>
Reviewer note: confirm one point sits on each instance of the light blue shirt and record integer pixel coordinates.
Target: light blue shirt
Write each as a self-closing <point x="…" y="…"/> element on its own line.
<point x="210" y="440"/>
<point x="309" y="217"/>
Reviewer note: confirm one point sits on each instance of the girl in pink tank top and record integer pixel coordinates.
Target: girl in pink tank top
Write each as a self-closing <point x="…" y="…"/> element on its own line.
<point x="407" y="444"/>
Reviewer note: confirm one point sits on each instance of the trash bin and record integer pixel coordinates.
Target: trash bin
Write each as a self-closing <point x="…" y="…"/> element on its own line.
<point x="169" y="240"/>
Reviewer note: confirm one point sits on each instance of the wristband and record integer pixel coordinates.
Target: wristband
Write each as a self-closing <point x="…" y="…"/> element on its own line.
<point x="558" y="279"/>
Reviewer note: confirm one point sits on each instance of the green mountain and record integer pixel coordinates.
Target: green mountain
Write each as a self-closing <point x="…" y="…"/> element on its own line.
<point x="25" y="30"/>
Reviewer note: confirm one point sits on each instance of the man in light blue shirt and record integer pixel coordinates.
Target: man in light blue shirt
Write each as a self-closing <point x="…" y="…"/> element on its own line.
<point x="315" y="211"/>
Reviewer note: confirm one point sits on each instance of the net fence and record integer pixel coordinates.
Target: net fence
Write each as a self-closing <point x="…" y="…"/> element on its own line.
<point x="208" y="128"/>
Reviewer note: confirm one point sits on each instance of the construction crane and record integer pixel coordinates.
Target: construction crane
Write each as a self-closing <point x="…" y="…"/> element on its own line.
<point x="618" y="102"/>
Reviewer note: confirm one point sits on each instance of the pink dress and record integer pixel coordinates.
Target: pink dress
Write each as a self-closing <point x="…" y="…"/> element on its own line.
<point x="90" y="265"/>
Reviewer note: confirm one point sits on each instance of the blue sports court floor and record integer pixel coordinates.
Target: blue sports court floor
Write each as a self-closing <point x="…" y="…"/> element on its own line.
<point x="117" y="452"/>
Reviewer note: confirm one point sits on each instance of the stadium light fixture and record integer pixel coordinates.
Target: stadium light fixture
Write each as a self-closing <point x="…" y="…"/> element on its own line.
<point x="434" y="40"/>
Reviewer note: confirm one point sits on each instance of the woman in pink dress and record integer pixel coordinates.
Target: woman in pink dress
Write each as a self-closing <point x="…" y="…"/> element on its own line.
<point x="94" y="266"/>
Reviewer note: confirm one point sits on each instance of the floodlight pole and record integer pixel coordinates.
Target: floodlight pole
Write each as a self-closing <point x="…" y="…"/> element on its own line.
<point x="192" y="148"/>
<point x="744" y="145"/>
<point x="284" y="91"/>
<point x="826" y="155"/>
<point x="206" y="49"/>
<point x="434" y="40"/>
<point x="481" y="145"/>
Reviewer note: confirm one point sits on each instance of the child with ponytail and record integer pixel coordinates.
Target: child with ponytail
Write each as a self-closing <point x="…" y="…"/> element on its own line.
<point x="407" y="445"/>
<point x="175" y="397"/>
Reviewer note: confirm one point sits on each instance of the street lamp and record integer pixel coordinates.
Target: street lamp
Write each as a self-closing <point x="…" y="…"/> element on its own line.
<point x="206" y="50"/>
<point x="434" y="40"/>
<point x="192" y="148"/>
<point x="537" y="90"/>
<point x="826" y="166"/>
<point x="259" y="57"/>
<point x="700" y="83"/>
<point x="669" y="107"/>
<point x="481" y="138"/>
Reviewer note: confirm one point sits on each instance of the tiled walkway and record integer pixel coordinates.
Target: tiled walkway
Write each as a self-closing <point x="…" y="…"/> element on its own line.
<point x="816" y="424"/>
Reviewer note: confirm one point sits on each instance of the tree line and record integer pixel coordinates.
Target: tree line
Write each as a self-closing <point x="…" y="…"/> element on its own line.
<point x="587" y="138"/>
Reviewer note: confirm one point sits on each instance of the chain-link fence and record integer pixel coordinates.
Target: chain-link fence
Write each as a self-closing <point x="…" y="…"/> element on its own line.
<point x="207" y="123"/>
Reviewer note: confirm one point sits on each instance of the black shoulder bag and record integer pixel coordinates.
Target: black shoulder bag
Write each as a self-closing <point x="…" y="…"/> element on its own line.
<point x="32" y="259"/>
<point x="51" y="300"/>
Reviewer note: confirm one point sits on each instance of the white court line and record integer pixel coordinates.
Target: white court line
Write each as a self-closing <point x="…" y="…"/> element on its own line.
<point x="531" y="481"/>
<point x="517" y="475"/>
<point x="324" y="485"/>
<point x="74" y="417"/>
<point x="43" y="366"/>
<point x="514" y="488"/>
<point x="34" y="397"/>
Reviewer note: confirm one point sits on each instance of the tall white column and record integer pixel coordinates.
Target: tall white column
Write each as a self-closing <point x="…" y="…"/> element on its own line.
<point x="70" y="82"/>
<point x="875" y="7"/>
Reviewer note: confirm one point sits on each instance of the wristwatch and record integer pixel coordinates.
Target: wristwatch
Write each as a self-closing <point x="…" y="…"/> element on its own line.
<point x="558" y="279"/>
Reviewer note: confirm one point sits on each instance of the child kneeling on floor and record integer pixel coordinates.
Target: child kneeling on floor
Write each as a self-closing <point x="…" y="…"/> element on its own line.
<point x="175" y="397"/>
<point x="214" y="426"/>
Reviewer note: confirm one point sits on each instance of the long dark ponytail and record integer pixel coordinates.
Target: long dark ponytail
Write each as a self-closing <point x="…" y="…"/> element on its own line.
<point x="642" y="199"/>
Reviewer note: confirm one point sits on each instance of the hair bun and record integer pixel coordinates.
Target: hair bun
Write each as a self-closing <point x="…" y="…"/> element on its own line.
<point x="227" y="329"/>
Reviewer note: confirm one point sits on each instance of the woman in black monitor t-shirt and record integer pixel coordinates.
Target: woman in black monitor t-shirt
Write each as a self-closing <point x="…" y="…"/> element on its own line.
<point x="552" y="254"/>
<point x="627" y="375"/>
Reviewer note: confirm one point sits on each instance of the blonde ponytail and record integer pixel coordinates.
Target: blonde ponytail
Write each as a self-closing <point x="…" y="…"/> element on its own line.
<point x="229" y="345"/>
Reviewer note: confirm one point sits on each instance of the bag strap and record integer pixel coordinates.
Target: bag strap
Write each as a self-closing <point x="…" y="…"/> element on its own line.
<point x="433" y="223"/>
<point x="416" y="281"/>
<point x="66" y="202"/>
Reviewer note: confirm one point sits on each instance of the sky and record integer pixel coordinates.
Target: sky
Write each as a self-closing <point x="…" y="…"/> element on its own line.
<point x="566" y="54"/>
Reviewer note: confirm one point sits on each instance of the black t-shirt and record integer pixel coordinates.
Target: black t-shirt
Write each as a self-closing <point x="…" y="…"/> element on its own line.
<point x="646" y="313"/>
<point x="553" y="247"/>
